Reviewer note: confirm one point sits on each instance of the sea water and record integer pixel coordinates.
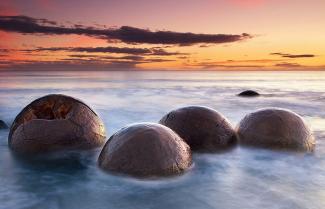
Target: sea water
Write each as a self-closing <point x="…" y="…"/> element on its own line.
<point x="240" y="178"/>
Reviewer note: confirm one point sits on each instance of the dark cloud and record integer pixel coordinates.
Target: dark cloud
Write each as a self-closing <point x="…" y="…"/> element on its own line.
<point x="150" y="60"/>
<point x="249" y="63"/>
<point x="135" y="35"/>
<point x="75" y="64"/>
<point x="214" y="65"/>
<point x="253" y="61"/>
<point x="129" y="57"/>
<point x="82" y="56"/>
<point x="162" y="52"/>
<point x="4" y="50"/>
<point x="99" y="57"/>
<point x="204" y="46"/>
<point x="126" y="34"/>
<point x="5" y="62"/>
<point x="288" y="65"/>
<point x="134" y="58"/>
<point x="29" y="25"/>
<point x="81" y="62"/>
<point x="234" y="66"/>
<point x="109" y="49"/>
<point x="286" y="55"/>
<point x="118" y="50"/>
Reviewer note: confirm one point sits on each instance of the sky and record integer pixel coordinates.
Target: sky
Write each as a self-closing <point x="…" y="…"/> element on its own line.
<point x="162" y="35"/>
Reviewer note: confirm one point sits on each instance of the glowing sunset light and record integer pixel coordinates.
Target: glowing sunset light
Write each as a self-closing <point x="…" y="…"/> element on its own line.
<point x="169" y="35"/>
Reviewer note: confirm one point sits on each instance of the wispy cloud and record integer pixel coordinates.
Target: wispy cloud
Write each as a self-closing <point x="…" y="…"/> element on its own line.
<point x="82" y="62"/>
<point x="224" y="64"/>
<point x="288" y="65"/>
<point x="286" y="55"/>
<point x="4" y="50"/>
<point x="65" y="65"/>
<point x="99" y="58"/>
<point x="109" y="49"/>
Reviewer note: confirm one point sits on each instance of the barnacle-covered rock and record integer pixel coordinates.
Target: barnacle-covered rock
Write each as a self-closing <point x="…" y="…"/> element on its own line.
<point x="55" y="122"/>
<point x="145" y="150"/>
<point x="275" y="128"/>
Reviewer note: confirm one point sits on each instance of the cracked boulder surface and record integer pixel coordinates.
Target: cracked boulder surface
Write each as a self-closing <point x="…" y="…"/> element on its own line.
<point x="145" y="150"/>
<point x="203" y="128"/>
<point x="55" y="122"/>
<point x="277" y="129"/>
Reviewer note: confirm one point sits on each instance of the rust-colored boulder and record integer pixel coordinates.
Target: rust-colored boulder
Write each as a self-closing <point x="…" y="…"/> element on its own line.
<point x="56" y="122"/>
<point x="275" y="128"/>
<point x="203" y="128"/>
<point x="145" y="150"/>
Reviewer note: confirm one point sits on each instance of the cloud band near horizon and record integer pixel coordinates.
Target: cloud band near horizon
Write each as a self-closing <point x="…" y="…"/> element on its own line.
<point x="293" y="56"/>
<point x="109" y="49"/>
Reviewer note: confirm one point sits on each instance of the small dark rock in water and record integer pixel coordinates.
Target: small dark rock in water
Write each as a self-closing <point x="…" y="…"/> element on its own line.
<point x="145" y="150"/>
<point x="3" y="125"/>
<point x="204" y="129"/>
<point x="249" y="93"/>
<point x="55" y="122"/>
<point x="275" y="128"/>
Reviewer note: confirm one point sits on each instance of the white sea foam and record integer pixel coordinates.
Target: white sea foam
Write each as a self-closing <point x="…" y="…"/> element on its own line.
<point x="241" y="178"/>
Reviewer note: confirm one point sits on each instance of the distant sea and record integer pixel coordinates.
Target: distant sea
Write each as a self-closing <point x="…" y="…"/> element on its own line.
<point x="239" y="179"/>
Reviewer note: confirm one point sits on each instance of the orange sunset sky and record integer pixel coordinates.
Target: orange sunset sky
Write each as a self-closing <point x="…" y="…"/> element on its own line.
<point x="162" y="35"/>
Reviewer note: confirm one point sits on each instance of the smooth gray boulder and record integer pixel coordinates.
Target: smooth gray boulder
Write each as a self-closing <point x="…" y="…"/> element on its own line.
<point x="203" y="128"/>
<point x="248" y="93"/>
<point x="145" y="150"/>
<point x="275" y="128"/>
<point x="55" y="122"/>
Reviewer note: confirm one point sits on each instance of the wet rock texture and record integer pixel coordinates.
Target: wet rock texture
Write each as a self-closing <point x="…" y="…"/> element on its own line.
<point x="249" y="93"/>
<point x="3" y="125"/>
<point x="55" y="122"/>
<point x="275" y="128"/>
<point x="204" y="129"/>
<point x="145" y="150"/>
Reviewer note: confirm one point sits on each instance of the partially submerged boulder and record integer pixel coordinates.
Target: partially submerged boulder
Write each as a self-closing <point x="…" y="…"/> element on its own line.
<point x="203" y="128"/>
<point x="249" y="93"/>
<point x="145" y="150"/>
<point x="3" y="125"/>
<point x="56" y="122"/>
<point x="275" y="128"/>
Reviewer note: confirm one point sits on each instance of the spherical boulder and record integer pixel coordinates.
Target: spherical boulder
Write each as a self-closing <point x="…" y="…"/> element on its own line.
<point x="203" y="128"/>
<point x="275" y="128"/>
<point x="55" y="122"/>
<point x="145" y="150"/>
<point x="3" y="125"/>
<point x="249" y="93"/>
